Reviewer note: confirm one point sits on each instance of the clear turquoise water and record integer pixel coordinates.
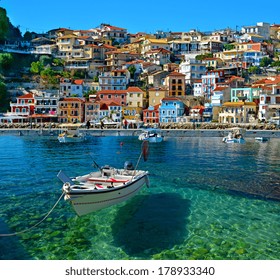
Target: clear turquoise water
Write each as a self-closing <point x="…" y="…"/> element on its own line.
<point x="207" y="200"/>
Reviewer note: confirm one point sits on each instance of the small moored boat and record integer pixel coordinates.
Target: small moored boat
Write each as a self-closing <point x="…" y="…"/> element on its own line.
<point x="151" y="135"/>
<point x="70" y="133"/>
<point x="105" y="187"/>
<point x="235" y="136"/>
<point x="262" y="139"/>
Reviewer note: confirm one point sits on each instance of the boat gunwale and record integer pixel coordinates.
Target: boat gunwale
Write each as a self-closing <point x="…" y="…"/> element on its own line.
<point x="93" y="191"/>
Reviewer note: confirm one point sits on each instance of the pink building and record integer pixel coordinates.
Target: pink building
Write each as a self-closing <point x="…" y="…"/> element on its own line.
<point x="151" y="114"/>
<point x="109" y="96"/>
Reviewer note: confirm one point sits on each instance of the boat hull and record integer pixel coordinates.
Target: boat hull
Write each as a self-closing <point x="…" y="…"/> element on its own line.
<point x="151" y="139"/>
<point x="65" y="139"/>
<point x="87" y="202"/>
<point x="155" y="139"/>
<point x="240" y="141"/>
<point x="261" y="139"/>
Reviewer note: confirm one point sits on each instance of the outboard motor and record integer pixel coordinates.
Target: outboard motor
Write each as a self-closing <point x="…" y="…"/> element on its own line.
<point x="128" y="165"/>
<point x="106" y="170"/>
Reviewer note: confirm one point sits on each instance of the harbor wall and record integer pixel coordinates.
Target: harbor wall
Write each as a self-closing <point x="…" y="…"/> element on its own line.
<point x="250" y="133"/>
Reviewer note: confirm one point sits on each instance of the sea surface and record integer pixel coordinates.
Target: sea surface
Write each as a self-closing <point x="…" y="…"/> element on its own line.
<point x="207" y="200"/>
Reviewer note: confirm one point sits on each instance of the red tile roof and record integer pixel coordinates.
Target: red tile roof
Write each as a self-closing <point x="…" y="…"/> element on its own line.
<point x="113" y="104"/>
<point x="111" y="27"/>
<point x="73" y="99"/>
<point x="170" y="99"/>
<point x="176" y="74"/>
<point x="160" y="50"/>
<point x="108" y="91"/>
<point x="26" y="96"/>
<point x="78" y="82"/>
<point x="135" y="89"/>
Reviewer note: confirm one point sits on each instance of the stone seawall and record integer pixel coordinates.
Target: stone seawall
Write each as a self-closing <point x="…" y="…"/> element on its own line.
<point x="250" y="133"/>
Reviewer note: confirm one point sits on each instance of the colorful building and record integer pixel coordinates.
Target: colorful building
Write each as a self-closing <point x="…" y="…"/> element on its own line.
<point x="170" y="109"/>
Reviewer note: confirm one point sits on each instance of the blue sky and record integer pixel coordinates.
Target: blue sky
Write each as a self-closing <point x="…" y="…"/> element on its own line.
<point x="139" y="16"/>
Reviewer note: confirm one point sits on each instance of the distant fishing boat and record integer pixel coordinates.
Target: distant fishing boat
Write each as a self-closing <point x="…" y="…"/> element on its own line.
<point x="70" y="133"/>
<point x="262" y="139"/>
<point x="235" y="136"/>
<point x="151" y="135"/>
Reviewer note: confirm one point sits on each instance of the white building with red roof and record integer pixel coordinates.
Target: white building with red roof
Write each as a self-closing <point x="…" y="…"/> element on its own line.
<point x="24" y="105"/>
<point x="70" y="87"/>
<point x="118" y="34"/>
<point x="159" y="56"/>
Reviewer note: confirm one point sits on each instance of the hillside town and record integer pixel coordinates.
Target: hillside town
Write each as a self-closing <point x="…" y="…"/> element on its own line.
<point x="224" y="76"/>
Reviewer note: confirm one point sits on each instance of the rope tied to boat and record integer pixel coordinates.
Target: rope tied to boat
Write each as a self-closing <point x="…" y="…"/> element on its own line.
<point x="37" y="224"/>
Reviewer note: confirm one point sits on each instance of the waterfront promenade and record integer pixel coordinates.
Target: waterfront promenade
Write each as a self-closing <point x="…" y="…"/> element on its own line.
<point x="197" y="132"/>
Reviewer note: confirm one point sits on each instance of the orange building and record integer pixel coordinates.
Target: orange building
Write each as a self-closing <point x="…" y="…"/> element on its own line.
<point x="71" y="110"/>
<point x="176" y="84"/>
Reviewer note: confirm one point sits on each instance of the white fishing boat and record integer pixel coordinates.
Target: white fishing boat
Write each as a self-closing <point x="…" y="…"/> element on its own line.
<point x="235" y="136"/>
<point x="262" y="139"/>
<point x="103" y="188"/>
<point x="70" y="133"/>
<point x="151" y="135"/>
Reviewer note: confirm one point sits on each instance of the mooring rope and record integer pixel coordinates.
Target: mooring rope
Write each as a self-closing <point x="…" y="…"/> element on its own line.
<point x="37" y="224"/>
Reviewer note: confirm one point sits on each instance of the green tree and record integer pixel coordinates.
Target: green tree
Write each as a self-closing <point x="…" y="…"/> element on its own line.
<point x="4" y="102"/>
<point x="36" y="67"/>
<point x="50" y="76"/>
<point x="228" y="47"/>
<point x="203" y="56"/>
<point x="6" y="61"/>
<point x="57" y="62"/>
<point x="45" y="60"/>
<point x="254" y="70"/>
<point x="132" y="70"/>
<point x="265" y="61"/>
<point x="275" y="64"/>
<point x="95" y="79"/>
<point x="4" y="24"/>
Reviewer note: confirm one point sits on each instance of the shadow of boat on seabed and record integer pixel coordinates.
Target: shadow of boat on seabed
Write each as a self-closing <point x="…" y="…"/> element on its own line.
<point x="152" y="223"/>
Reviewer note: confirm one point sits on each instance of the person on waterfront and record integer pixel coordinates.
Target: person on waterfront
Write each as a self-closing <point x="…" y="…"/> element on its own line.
<point x="125" y="123"/>
<point x="88" y="124"/>
<point x="102" y="124"/>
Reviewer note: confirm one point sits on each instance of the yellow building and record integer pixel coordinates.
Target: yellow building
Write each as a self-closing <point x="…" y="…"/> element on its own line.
<point x="151" y="44"/>
<point x="238" y="112"/>
<point x="71" y="110"/>
<point x="156" y="95"/>
<point x="136" y="101"/>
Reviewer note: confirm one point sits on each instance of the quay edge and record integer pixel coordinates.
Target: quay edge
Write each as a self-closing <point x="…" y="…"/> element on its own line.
<point x="250" y="133"/>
